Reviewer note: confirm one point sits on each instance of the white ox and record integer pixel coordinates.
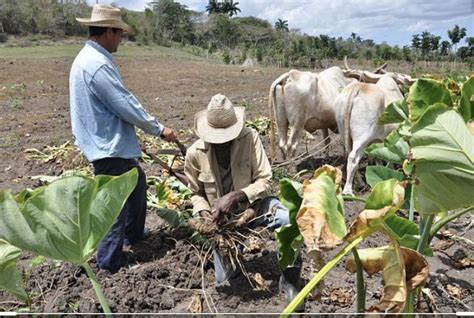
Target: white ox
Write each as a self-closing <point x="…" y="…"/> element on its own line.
<point x="358" y="108"/>
<point x="303" y="100"/>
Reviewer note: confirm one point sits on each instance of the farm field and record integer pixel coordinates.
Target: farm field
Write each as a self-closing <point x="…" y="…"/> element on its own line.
<point x="167" y="274"/>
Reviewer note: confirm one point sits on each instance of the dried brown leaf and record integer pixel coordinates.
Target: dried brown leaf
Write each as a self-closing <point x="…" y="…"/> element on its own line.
<point x="365" y="220"/>
<point x="195" y="306"/>
<point x="340" y="296"/>
<point x="320" y="207"/>
<point x="332" y="172"/>
<point x="178" y="165"/>
<point x="402" y="271"/>
<point x="442" y="245"/>
<point x="370" y="219"/>
<point x="456" y="291"/>
<point x="260" y="282"/>
<point x="464" y="263"/>
<point x="416" y="268"/>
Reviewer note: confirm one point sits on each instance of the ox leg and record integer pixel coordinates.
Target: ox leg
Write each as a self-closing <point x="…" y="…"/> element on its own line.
<point x="326" y="139"/>
<point x="283" y="138"/>
<point x="282" y="122"/>
<point x="352" y="165"/>
<point x="295" y="135"/>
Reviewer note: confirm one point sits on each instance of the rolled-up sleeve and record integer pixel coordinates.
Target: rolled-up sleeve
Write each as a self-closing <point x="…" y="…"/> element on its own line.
<point x="191" y="169"/>
<point x="261" y="173"/>
<point x="107" y="86"/>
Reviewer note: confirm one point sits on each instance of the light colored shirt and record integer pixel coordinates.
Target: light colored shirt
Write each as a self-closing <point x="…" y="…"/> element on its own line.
<point x="104" y="113"/>
<point x="250" y="169"/>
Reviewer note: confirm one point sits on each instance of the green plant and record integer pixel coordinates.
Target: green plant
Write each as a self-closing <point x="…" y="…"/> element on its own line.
<point x="261" y="124"/>
<point x="168" y="196"/>
<point x="226" y="58"/>
<point x="317" y="215"/>
<point x="41" y="87"/>
<point x="10" y="278"/>
<point x="67" y="219"/>
<point x="436" y="149"/>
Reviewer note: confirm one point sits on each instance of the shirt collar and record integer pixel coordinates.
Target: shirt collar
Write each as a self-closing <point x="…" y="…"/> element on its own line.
<point x="99" y="48"/>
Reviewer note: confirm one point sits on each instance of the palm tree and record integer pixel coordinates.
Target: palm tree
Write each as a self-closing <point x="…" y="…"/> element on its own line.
<point x="214" y="6"/>
<point x="281" y="25"/>
<point x="230" y="7"/>
<point x="456" y="35"/>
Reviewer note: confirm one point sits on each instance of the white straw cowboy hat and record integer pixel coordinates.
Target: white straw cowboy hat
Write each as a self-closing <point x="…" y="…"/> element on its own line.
<point x="105" y="16"/>
<point x="220" y="122"/>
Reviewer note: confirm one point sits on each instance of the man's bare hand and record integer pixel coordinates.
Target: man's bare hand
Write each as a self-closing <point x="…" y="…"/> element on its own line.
<point x="226" y="203"/>
<point x="168" y="134"/>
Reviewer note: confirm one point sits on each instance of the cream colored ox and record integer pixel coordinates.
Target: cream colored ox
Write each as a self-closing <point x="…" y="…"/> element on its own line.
<point x="303" y="100"/>
<point x="358" y="108"/>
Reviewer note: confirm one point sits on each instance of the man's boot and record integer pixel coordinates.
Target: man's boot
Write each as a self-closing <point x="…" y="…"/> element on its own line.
<point x="289" y="281"/>
<point x="224" y="269"/>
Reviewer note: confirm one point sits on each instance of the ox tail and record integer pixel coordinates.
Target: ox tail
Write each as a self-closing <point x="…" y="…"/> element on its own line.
<point x="272" y="104"/>
<point x="347" y="118"/>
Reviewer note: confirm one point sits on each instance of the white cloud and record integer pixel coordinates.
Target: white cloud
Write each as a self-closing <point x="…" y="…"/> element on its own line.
<point x="393" y="21"/>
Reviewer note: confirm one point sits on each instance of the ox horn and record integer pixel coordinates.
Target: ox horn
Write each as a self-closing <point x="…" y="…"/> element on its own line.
<point x="381" y="69"/>
<point x="345" y="63"/>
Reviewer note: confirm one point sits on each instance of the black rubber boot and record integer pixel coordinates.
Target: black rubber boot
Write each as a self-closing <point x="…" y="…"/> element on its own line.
<point x="289" y="281"/>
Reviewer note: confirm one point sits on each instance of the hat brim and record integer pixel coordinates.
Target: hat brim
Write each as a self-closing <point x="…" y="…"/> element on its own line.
<point x="218" y="135"/>
<point x="106" y="24"/>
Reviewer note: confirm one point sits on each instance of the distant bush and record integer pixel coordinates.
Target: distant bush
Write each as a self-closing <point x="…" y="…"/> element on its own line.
<point x="226" y="57"/>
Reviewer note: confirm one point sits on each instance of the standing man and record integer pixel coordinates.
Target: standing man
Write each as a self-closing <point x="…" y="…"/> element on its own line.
<point x="104" y="115"/>
<point x="229" y="171"/>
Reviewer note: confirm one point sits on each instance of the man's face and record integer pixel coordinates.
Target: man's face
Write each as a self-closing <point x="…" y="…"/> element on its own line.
<point x="114" y="38"/>
<point x="223" y="153"/>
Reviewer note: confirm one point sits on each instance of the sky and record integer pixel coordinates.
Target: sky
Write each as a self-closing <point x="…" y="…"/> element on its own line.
<point x="391" y="21"/>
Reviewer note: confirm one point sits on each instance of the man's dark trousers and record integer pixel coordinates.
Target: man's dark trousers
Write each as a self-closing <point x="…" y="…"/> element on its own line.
<point x="130" y="224"/>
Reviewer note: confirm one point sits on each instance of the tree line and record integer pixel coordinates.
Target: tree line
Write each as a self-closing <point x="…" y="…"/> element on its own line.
<point x="220" y="31"/>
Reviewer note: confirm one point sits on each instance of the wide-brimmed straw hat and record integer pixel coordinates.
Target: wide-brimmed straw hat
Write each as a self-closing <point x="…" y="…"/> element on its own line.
<point x="220" y="122"/>
<point x="105" y="16"/>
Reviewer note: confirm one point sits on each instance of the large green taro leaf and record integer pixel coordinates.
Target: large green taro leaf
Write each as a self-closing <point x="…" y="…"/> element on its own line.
<point x="376" y="174"/>
<point x="288" y="237"/>
<point x="424" y="93"/>
<point x="10" y="277"/>
<point x="66" y="219"/>
<point x="443" y="153"/>
<point x="466" y="107"/>
<point x="393" y="149"/>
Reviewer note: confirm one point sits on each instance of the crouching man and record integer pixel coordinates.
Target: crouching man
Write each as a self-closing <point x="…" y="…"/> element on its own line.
<point x="229" y="171"/>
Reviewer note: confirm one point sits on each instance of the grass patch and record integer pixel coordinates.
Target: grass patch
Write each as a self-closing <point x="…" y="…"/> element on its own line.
<point x="71" y="50"/>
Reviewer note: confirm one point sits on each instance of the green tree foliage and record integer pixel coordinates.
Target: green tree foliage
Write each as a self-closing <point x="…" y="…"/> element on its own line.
<point x="282" y="25"/>
<point x="228" y="7"/>
<point x="214" y="6"/>
<point x="217" y="30"/>
<point x="456" y="35"/>
<point x="45" y="17"/>
<point x="173" y="21"/>
<point x="444" y="49"/>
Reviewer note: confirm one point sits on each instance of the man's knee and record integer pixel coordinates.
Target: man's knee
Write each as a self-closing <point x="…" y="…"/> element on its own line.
<point x="277" y="214"/>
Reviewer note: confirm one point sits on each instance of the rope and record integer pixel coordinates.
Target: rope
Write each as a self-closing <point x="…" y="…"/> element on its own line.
<point x="306" y="155"/>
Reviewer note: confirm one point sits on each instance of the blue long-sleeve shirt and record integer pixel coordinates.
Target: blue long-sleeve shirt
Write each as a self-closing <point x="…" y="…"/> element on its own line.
<point x="104" y="113"/>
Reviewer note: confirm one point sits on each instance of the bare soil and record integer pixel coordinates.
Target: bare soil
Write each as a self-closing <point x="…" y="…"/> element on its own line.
<point x="166" y="270"/>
